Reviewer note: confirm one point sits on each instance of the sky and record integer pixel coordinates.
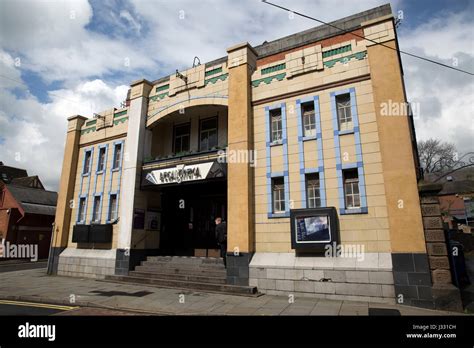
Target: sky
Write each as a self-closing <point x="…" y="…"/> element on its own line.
<point x="63" y="58"/>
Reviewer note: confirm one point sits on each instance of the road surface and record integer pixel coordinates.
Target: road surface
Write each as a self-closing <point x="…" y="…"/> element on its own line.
<point x="21" y="308"/>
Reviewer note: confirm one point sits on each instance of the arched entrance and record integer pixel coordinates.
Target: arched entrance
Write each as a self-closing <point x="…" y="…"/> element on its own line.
<point x="185" y="178"/>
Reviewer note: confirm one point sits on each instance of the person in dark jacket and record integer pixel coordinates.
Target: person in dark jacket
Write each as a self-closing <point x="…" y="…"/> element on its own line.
<point x="221" y="236"/>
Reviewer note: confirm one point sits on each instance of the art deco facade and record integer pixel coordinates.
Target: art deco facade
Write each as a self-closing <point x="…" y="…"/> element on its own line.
<point x="308" y="108"/>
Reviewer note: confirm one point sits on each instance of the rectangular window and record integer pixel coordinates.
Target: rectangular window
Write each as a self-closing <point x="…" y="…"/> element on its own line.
<point x="81" y="217"/>
<point x="312" y="191"/>
<point x="96" y="209"/>
<point x="113" y="207"/>
<point x="181" y="138"/>
<point x="101" y="160"/>
<point x="309" y="119"/>
<point x="351" y="188"/>
<point x="87" y="162"/>
<point x="208" y="134"/>
<point x="278" y="195"/>
<point x="276" y="125"/>
<point x="117" y="156"/>
<point x="343" y="103"/>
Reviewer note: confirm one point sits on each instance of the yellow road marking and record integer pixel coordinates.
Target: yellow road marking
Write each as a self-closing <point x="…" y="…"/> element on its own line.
<point x="39" y="305"/>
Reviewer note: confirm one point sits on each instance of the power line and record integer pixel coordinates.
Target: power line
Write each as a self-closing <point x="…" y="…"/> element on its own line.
<point x="362" y="37"/>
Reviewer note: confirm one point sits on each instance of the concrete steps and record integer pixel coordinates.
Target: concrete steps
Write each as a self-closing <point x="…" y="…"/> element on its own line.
<point x="181" y="270"/>
<point x="179" y="276"/>
<point x="190" y="273"/>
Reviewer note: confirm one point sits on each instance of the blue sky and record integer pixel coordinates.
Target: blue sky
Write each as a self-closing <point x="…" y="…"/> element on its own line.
<point x="78" y="57"/>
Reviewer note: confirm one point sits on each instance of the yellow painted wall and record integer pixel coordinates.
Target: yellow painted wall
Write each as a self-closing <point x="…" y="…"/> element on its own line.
<point x="403" y="206"/>
<point x="370" y="230"/>
<point x="109" y="181"/>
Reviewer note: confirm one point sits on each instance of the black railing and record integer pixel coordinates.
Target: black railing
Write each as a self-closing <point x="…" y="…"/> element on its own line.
<point x="180" y="155"/>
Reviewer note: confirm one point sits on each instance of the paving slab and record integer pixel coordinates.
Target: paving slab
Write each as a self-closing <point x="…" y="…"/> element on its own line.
<point x="36" y="285"/>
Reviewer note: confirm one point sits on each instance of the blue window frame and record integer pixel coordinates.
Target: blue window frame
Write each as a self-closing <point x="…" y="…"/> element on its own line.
<point x="96" y="209"/>
<point x="101" y="159"/>
<point x="112" y="213"/>
<point x="82" y="210"/>
<point x="87" y="162"/>
<point x="117" y="156"/>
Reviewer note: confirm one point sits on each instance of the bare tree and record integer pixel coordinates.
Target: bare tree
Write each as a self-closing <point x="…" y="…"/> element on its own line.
<point x="436" y="156"/>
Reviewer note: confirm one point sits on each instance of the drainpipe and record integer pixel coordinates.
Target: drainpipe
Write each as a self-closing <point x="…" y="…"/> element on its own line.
<point x="51" y="254"/>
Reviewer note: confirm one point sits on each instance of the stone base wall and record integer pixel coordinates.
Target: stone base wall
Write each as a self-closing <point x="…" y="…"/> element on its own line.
<point x="412" y="279"/>
<point x="87" y="263"/>
<point x="238" y="268"/>
<point x="443" y="294"/>
<point x="53" y="259"/>
<point x="286" y="274"/>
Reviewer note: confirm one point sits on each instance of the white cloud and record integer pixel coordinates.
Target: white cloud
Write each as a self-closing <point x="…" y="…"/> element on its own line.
<point x="180" y="30"/>
<point x="57" y="41"/>
<point x="134" y="25"/>
<point x="445" y="96"/>
<point x="32" y="134"/>
<point x="51" y="39"/>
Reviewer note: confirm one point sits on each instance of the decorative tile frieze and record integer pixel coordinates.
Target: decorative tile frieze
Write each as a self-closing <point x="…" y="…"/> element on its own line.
<point x="159" y="96"/>
<point x="358" y="56"/>
<point x="162" y="88"/>
<point x="213" y="80"/>
<point x="213" y="72"/>
<point x="87" y="130"/>
<point x="272" y="69"/>
<point x="335" y="51"/>
<point x="120" y="120"/>
<point x="269" y="79"/>
<point x="120" y="114"/>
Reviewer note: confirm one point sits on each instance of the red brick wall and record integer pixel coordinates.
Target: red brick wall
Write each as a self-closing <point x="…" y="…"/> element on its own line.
<point x="7" y="202"/>
<point x="452" y="205"/>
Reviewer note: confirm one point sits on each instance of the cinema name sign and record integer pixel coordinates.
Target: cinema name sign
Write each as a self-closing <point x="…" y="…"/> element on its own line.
<point x="183" y="173"/>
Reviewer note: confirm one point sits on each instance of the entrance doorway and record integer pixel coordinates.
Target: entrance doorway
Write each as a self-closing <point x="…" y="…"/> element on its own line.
<point x="188" y="214"/>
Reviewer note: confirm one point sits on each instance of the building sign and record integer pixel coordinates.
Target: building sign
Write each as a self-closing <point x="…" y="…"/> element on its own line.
<point x="313" y="229"/>
<point x="183" y="173"/>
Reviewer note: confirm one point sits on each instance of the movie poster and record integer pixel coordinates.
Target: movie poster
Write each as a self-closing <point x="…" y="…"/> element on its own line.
<point x="313" y="229"/>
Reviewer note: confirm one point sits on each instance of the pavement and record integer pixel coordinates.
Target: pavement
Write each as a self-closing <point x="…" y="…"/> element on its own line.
<point x="16" y="265"/>
<point x="35" y="286"/>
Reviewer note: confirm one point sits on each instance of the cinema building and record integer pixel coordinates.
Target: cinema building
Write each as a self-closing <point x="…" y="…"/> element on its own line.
<point x="286" y="141"/>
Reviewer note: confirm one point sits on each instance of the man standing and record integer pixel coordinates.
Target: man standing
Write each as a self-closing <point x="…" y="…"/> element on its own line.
<point x="221" y="236"/>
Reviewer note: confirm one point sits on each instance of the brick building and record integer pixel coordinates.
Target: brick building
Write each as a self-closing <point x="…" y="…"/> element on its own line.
<point x="26" y="210"/>
<point x="325" y="164"/>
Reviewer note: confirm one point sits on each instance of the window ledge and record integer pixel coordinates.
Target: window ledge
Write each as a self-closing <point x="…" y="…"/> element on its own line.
<point x="85" y="174"/>
<point x="276" y="143"/>
<point x="115" y="169"/>
<point x="346" y="131"/>
<point x="99" y="172"/>
<point x="278" y="215"/>
<point x="361" y="210"/>
<point x="309" y="137"/>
